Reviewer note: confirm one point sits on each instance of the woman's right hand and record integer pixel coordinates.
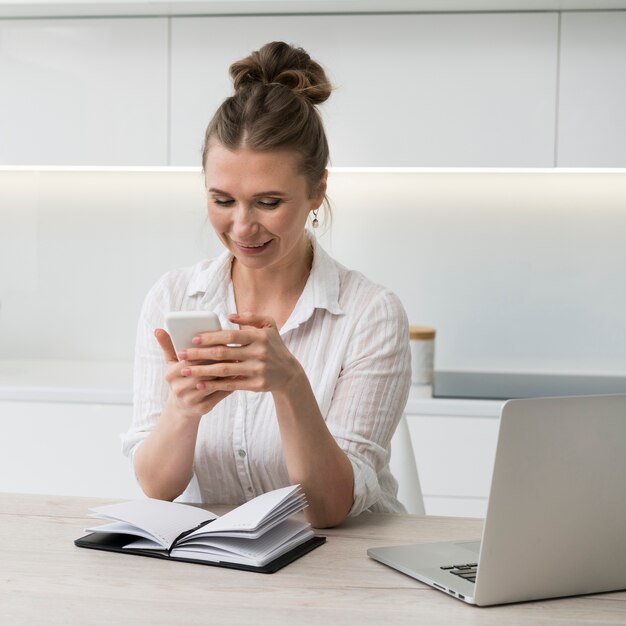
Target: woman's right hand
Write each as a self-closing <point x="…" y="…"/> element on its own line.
<point x="187" y="399"/>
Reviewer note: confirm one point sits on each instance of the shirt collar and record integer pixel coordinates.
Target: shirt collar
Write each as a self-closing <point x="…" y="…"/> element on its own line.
<point x="321" y="290"/>
<point x="211" y="281"/>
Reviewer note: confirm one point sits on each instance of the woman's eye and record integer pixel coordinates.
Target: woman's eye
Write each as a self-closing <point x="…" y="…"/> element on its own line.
<point x="223" y="202"/>
<point x="269" y="203"/>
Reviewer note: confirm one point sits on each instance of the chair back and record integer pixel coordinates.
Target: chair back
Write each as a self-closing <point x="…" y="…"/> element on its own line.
<point x="403" y="466"/>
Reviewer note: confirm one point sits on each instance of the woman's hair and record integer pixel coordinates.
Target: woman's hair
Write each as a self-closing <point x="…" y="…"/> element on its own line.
<point x="277" y="89"/>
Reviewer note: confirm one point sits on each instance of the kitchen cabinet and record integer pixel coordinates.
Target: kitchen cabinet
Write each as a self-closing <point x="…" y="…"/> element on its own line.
<point x="454" y="442"/>
<point x="65" y="448"/>
<point x="592" y="90"/>
<point x="411" y="90"/>
<point x="73" y="448"/>
<point x="538" y="88"/>
<point x="48" y="8"/>
<point x="62" y="422"/>
<point x="84" y="91"/>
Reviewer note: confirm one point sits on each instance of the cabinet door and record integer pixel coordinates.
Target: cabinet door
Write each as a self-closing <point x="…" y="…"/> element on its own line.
<point x="65" y="449"/>
<point x="411" y="90"/>
<point x="455" y="457"/>
<point x="592" y="93"/>
<point x="84" y="92"/>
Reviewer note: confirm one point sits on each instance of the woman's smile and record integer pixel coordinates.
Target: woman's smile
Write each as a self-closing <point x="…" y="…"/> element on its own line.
<point x="252" y="248"/>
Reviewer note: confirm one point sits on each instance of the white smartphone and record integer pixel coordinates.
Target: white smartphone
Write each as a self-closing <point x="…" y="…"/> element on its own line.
<point x="183" y="326"/>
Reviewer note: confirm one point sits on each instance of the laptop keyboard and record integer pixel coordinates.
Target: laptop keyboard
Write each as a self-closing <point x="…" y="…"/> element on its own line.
<point x="466" y="571"/>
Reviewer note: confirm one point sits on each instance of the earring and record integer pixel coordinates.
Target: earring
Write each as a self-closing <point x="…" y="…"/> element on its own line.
<point x="315" y="222"/>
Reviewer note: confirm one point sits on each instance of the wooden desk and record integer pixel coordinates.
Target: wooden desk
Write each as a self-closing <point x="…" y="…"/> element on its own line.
<point x="45" y="579"/>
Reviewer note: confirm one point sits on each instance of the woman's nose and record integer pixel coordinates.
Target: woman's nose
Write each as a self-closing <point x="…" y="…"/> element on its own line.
<point x="244" y="223"/>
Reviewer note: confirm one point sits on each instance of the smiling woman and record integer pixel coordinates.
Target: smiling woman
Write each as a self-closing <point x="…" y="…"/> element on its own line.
<point x="308" y="379"/>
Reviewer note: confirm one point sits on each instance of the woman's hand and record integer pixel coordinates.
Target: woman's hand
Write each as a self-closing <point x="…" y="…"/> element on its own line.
<point x="253" y="358"/>
<point x="188" y="399"/>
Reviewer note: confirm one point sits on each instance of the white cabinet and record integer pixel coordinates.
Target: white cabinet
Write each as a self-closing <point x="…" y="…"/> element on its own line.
<point x="84" y="91"/>
<point x="592" y="90"/>
<point x="454" y="456"/>
<point x="416" y="89"/>
<point x="90" y="8"/>
<point x="454" y="443"/>
<point x="65" y="448"/>
<point x="411" y="90"/>
<point x="61" y="423"/>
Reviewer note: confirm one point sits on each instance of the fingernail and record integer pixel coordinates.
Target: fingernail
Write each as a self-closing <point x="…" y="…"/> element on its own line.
<point x="196" y="339"/>
<point x="200" y="386"/>
<point x="185" y="371"/>
<point x="182" y="355"/>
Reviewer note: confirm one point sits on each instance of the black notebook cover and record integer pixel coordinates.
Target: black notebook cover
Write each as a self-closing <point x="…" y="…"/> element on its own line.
<point x="115" y="542"/>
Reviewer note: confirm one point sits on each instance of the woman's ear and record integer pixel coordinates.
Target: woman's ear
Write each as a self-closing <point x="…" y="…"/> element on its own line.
<point x="320" y="189"/>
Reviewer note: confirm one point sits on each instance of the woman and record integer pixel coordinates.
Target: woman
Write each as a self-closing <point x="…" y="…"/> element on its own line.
<point x="309" y="378"/>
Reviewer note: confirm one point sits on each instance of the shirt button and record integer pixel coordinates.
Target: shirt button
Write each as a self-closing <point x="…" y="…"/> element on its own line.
<point x="242" y="453"/>
<point x="250" y="489"/>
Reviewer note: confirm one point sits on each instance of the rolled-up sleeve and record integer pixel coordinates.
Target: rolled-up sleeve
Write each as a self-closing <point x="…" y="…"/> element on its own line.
<point x="149" y="386"/>
<point x="370" y="396"/>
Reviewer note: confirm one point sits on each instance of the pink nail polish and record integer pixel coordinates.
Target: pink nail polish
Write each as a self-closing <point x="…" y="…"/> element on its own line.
<point x="185" y="371"/>
<point x="182" y="355"/>
<point x="196" y="339"/>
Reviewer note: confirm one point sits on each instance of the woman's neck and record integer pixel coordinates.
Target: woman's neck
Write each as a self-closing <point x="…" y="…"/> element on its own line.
<point x="273" y="290"/>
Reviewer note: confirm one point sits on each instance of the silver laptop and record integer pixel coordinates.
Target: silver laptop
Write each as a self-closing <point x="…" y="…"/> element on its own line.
<point x="556" y="518"/>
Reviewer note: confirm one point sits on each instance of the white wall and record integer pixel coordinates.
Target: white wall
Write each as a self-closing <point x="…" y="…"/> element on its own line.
<point x="516" y="270"/>
<point x="519" y="271"/>
<point x="79" y="251"/>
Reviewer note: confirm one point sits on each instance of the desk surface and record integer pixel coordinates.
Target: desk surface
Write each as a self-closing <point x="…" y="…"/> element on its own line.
<point x="45" y="579"/>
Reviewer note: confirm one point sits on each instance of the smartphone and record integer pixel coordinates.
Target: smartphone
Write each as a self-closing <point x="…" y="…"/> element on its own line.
<point x="183" y="326"/>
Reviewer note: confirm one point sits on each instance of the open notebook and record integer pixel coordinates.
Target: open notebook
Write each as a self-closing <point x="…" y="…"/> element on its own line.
<point x="260" y="535"/>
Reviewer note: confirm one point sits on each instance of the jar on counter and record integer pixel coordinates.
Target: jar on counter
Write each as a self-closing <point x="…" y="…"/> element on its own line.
<point x="422" y="354"/>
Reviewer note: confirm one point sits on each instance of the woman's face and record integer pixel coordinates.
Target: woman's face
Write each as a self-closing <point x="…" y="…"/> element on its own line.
<point x="258" y="205"/>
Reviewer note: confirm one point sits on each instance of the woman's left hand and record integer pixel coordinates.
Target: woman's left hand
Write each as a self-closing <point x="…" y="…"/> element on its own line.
<point x="253" y="358"/>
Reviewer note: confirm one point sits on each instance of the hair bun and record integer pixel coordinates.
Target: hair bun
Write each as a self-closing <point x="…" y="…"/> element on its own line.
<point x="278" y="63"/>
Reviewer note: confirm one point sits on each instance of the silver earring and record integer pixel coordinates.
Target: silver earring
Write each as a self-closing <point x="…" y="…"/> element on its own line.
<point x="315" y="222"/>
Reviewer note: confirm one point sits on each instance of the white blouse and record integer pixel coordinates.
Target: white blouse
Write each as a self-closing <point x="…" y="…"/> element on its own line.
<point x="350" y="336"/>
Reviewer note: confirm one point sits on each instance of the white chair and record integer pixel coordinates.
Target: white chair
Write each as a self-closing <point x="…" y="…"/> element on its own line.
<point x="403" y="467"/>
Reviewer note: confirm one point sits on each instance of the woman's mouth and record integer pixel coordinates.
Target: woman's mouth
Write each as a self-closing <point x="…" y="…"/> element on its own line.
<point x="252" y="248"/>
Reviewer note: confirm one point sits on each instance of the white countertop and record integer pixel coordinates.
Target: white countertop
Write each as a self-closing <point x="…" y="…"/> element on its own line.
<point x="421" y="402"/>
<point x="110" y="382"/>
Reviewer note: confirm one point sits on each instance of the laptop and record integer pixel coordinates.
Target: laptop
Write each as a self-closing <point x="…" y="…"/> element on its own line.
<point x="556" y="518"/>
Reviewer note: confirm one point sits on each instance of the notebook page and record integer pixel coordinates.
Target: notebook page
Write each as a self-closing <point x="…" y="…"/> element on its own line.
<point x="288" y="508"/>
<point x="255" y="548"/>
<point x="122" y="528"/>
<point x="162" y="520"/>
<point x="245" y="560"/>
<point x="272" y="551"/>
<point x="250" y="515"/>
<point x="246" y="533"/>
